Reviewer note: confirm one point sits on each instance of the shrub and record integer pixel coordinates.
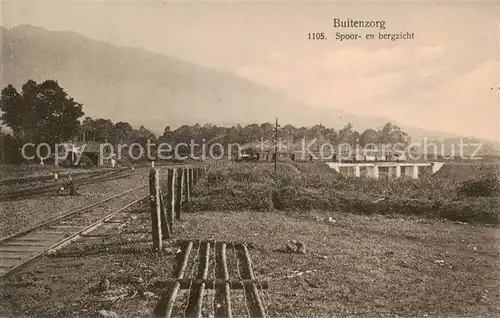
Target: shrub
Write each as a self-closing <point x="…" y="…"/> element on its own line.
<point x="232" y="196"/>
<point x="302" y="187"/>
<point x="485" y="187"/>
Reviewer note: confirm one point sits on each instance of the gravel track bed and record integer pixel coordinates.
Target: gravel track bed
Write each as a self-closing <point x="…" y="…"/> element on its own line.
<point x="29" y="185"/>
<point x="98" y="212"/>
<point x="21" y="214"/>
<point x="17" y="171"/>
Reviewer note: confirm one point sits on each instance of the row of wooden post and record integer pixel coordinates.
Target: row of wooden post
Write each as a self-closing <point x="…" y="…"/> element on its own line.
<point x="164" y="205"/>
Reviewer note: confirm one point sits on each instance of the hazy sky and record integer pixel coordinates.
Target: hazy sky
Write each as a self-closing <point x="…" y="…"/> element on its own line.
<point x="440" y="80"/>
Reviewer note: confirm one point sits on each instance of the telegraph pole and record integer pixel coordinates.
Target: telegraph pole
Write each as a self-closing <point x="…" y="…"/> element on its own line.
<point x="276" y="147"/>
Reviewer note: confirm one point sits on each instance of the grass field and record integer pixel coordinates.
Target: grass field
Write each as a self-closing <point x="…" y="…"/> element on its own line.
<point x="381" y="260"/>
<point x="368" y="266"/>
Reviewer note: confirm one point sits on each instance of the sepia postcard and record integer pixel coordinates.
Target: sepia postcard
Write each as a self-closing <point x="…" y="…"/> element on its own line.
<point x="249" y="158"/>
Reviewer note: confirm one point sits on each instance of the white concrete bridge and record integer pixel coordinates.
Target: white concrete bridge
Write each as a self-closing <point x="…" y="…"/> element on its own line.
<point x="392" y="169"/>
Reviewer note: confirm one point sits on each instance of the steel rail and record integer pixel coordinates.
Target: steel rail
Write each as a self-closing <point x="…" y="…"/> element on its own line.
<point x="72" y="237"/>
<point x="65" y="215"/>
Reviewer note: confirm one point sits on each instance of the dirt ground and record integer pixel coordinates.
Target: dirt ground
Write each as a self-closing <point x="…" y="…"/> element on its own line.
<point x="353" y="266"/>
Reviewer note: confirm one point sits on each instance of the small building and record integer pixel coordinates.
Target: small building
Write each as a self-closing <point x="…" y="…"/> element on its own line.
<point x="90" y="154"/>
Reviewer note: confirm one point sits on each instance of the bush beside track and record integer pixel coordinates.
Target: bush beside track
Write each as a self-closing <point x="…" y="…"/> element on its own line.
<point x="305" y="187"/>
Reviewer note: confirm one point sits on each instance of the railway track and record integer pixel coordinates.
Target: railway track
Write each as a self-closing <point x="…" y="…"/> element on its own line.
<point x="25" y="188"/>
<point x="25" y="246"/>
<point x="27" y="191"/>
<point x="54" y="187"/>
<point x="223" y="284"/>
<point x="208" y="293"/>
<point x="50" y="177"/>
<point x="66" y="174"/>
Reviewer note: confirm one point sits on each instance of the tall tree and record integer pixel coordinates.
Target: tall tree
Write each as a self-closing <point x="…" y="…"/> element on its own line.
<point x="9" y="148"/>
<point x="41" y="113"/>
<point x="391" y="134"/>
<point x="369" y="136"/>
<point x="105" y="130"/>
<point x="13" y="110"/>
<point x="167" y="135"/>
<point x="123" y="131"/>
<point x="142" y="135"/>
<point x="348" y="135"/>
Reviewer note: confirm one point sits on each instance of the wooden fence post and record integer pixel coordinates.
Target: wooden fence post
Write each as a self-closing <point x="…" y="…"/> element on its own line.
<point x="165" y="226"/>
<point x="170" y="196"/>
<point x="155" y="209"/>
<point x="179" y="186"/>
<point x="190" y="180"/>
<point x="186" y="184"/>
<point x="166" y="230"/>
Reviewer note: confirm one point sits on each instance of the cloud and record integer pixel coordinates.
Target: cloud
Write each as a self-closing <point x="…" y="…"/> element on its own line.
<point x="357" y="61"/>
<point x="413" y="85"/>
<point x="467" y="103"/>
<point x="430" y="51"/>
<point x="346" y="77"/>
<point x="275" y="54"/>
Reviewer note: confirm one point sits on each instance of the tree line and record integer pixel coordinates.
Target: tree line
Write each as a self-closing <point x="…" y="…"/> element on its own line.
<point x="45" y="113"/>
<point x="388" y="134"/>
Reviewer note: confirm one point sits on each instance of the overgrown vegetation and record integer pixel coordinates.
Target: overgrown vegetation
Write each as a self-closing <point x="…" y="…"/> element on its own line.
<point x="307" y="186"/>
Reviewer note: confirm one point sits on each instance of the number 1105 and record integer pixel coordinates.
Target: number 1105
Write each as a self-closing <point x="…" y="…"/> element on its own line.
<point x="316" y="36"/>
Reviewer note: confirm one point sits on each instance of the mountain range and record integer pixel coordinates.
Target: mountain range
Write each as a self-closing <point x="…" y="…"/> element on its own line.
<point x="150" y="89"/>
